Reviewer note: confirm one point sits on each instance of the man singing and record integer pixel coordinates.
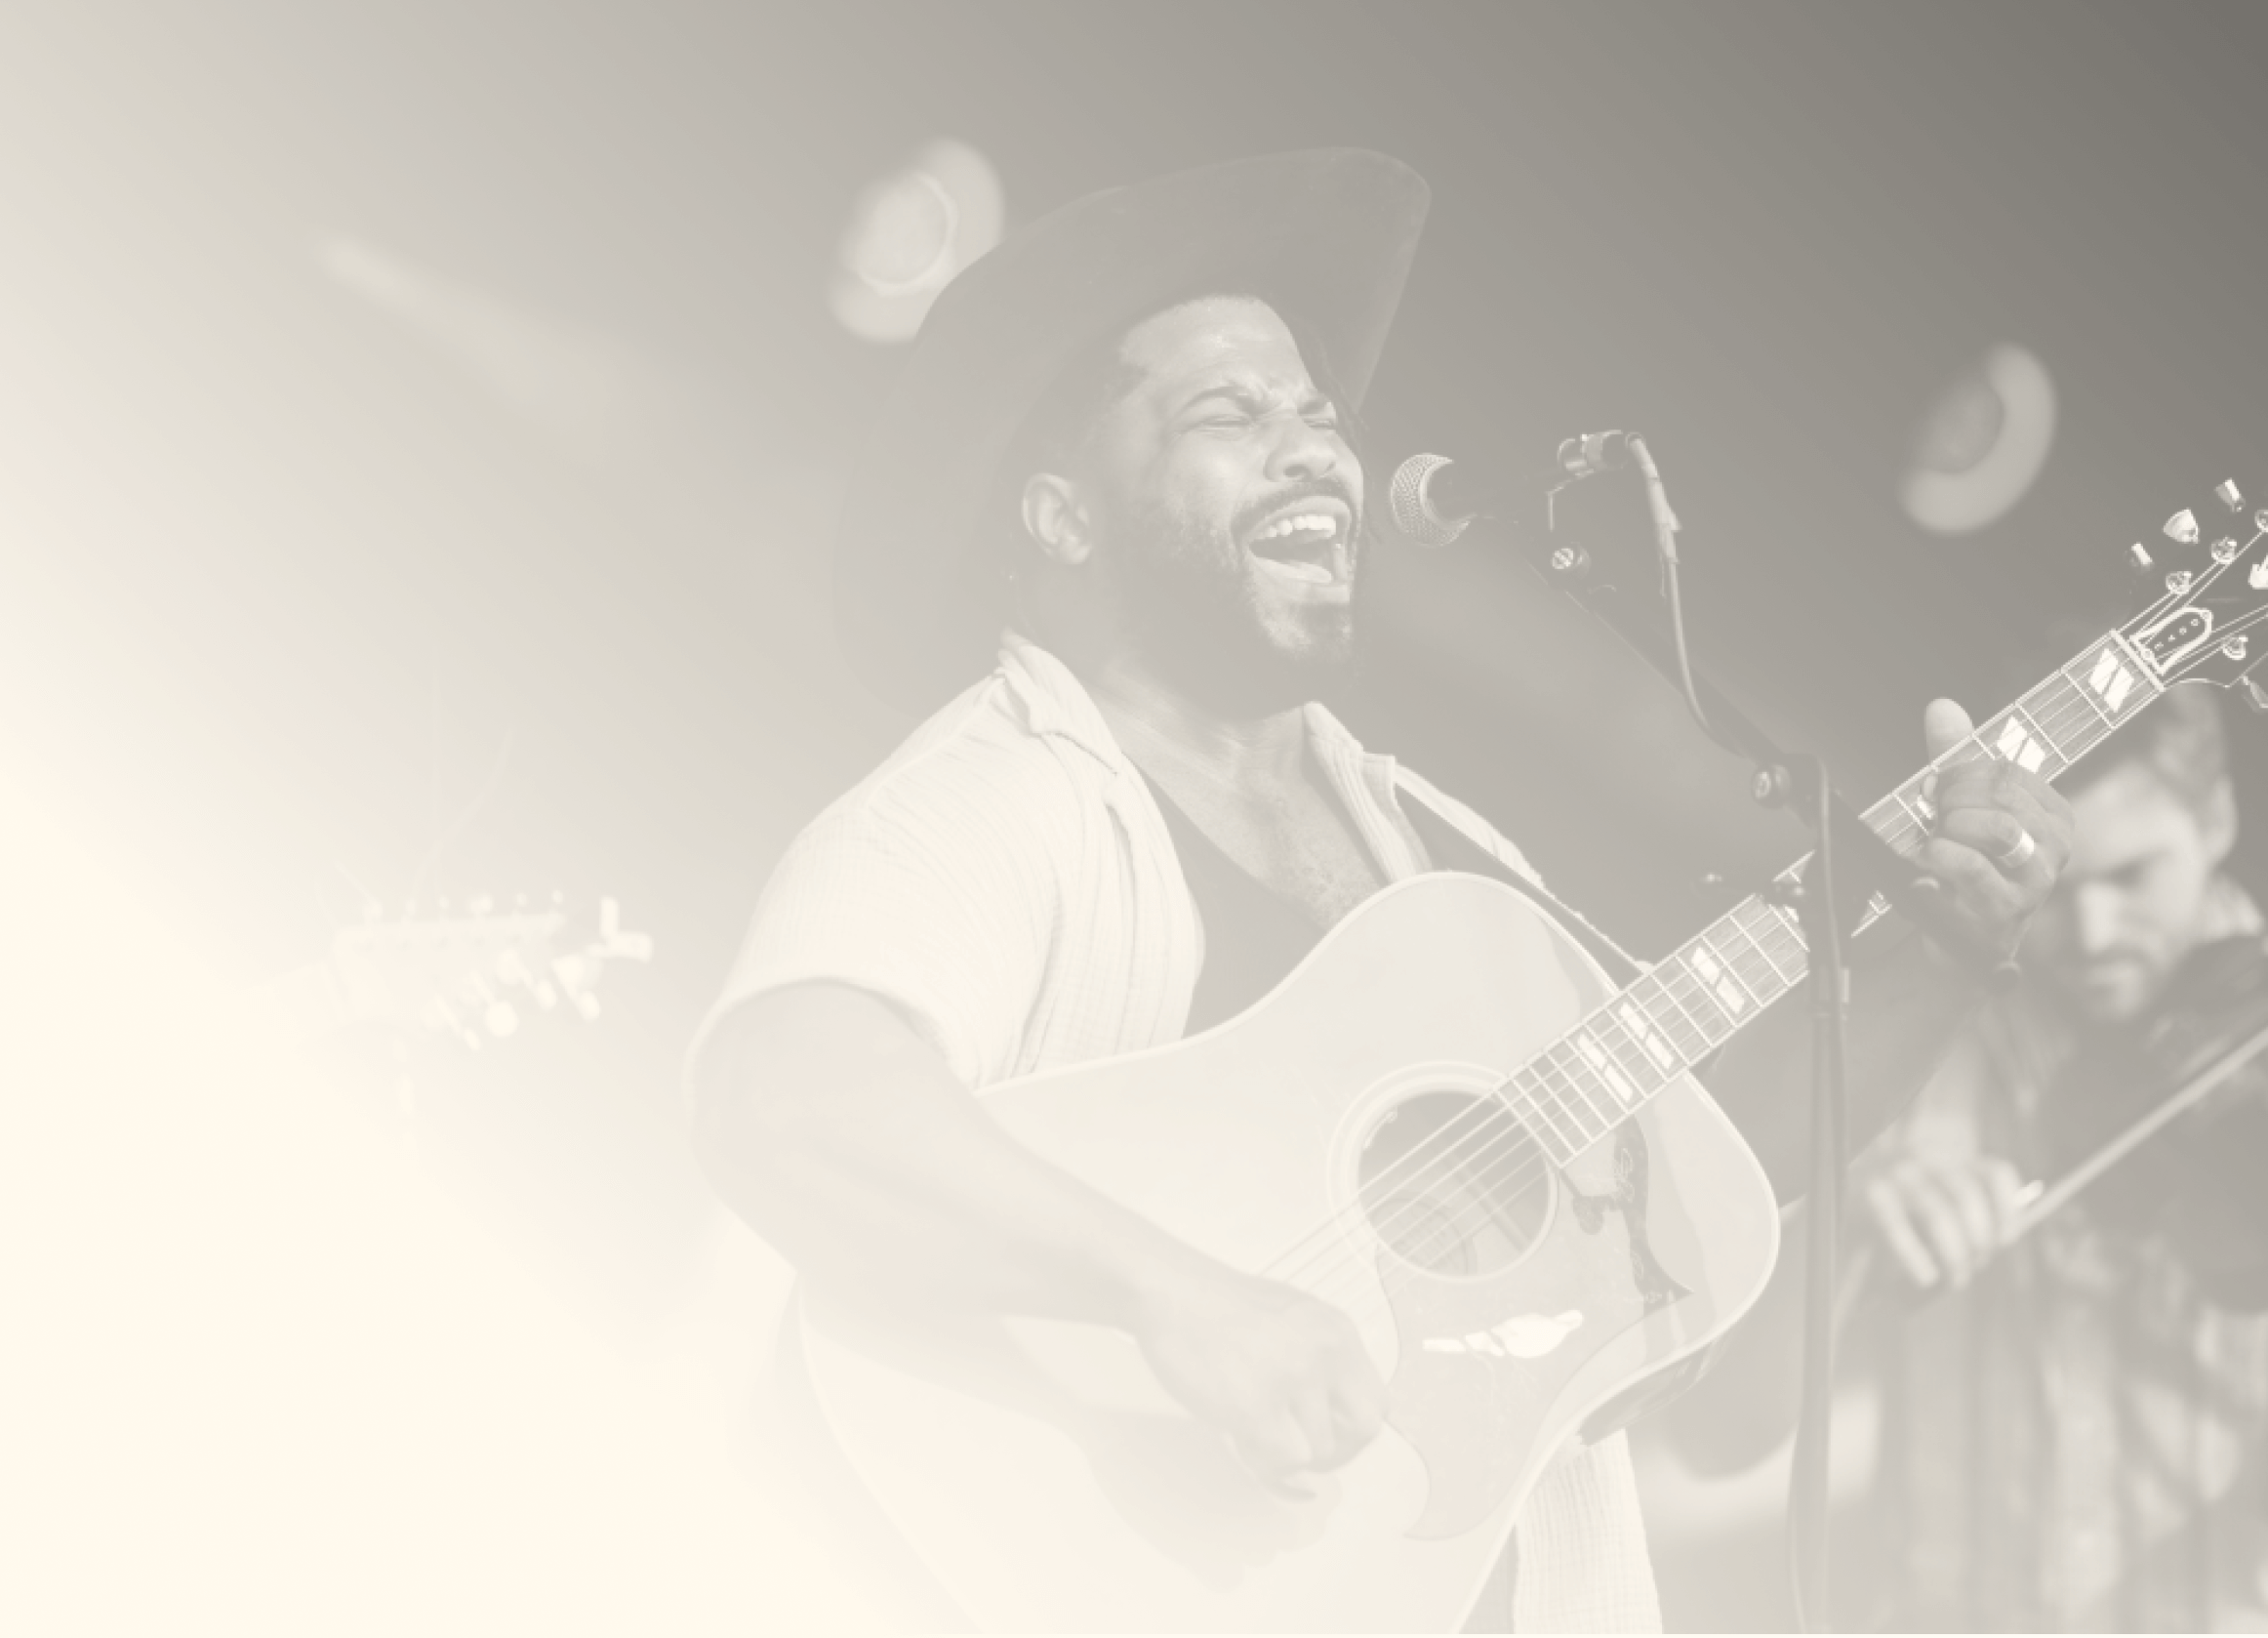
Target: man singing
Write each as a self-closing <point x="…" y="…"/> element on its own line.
<point x="1119" y="464"/>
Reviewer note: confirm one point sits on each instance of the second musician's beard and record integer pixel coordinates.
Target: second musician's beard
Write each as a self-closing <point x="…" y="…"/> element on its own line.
<point x="1199" y="615"/>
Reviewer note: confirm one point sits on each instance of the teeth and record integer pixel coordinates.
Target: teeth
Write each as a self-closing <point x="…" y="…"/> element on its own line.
<point x="1309" y="520"/>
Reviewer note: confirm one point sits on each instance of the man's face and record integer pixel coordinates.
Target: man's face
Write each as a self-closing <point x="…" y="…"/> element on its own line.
<point x="2131" y="904"/>
<point x="1229" y="503"/>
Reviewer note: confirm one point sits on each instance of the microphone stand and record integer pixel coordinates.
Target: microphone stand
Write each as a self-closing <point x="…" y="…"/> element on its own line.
<point x="1851" y="869"/>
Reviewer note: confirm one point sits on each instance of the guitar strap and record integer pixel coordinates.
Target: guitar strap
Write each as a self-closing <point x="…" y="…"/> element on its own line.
<point x="1450" y="849"/>
<point x="1254" y="936"/>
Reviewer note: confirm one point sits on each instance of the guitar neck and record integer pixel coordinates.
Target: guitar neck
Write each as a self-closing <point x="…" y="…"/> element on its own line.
<point x="1703" y="993"/>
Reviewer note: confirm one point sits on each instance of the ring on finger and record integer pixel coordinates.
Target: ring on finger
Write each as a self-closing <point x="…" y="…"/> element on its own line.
<point x="2018" y="853"/>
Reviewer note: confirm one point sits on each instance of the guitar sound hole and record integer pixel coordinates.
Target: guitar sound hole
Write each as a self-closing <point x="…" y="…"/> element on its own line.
<point x="1454" y="1184"/>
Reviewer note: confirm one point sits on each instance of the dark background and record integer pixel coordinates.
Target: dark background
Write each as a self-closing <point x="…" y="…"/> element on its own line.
<point x="290" y="573"/>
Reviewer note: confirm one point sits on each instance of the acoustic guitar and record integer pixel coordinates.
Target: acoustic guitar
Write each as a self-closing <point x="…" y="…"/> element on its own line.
<point x="1447" y="1122"/>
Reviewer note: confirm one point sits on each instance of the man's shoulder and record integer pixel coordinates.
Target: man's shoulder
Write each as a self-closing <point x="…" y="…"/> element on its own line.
<point x="978" y="759"/>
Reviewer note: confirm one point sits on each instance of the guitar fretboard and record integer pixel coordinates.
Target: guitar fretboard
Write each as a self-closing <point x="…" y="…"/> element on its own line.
<point x="1695" y="1000"/>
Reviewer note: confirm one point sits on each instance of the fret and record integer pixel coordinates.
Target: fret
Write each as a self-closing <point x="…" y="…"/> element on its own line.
<point x="1674" y="1016"/>
<point x="1748" y="932"/>
<point x="1726" y="941"/>
<point x="1659" y="1053"/>
<point x="1560" y="1120"/>
<point x="1591" y="1047"/>
<point x="1788" y="927"/>
<point x="1537" y="1118"/>
<point x="1601" y="1104"/>
<point x="1561" y="1060"/>
<point x="2092" y="704"/>
<point x="1628" y="1051"/>
<point x="1756" y="911"/>
<point x="1721" y="983"/>
<point x="2014" y="737"/>
<point x="1688" y="978"/>
<point x="1906" y="810"/>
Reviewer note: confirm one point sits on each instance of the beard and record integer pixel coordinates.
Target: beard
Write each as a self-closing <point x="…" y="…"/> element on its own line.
<point x="1193" y="605"/>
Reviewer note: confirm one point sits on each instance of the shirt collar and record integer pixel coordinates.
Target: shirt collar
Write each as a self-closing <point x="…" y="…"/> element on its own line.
<point x="1055" y="703"/>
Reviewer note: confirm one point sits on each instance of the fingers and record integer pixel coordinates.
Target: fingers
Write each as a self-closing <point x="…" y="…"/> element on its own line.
<point x="1997" y="833"/>
<point x="1896" y="1228"/>
<point x="1303" y="1395"/>
<point x="2011" y="1196"/>
<point x="1311" y="1408"/>
<point x="1942" y="1222"/>
<point x="1276" y="1452"/>
<point x="1944" y="725"/>
<point x="1360" y="1402"/>
<point x="1322" y="1424"/>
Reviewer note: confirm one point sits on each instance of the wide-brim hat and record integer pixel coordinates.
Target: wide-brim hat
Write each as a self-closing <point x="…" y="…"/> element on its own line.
<point x="1326" y="234"/>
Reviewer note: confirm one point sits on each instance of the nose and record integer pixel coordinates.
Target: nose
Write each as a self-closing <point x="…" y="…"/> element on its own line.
<point x="1303" y="452"/>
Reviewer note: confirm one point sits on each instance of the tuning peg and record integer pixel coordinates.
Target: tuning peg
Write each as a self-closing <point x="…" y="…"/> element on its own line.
<point x="2256" y="696"/>
<point x="2182" y="528"/>
<point x="2139" y="557"/>
<point x="2224" y="551"/>
<point x="2229" y="494"/>
<point x="2236" y="646"/>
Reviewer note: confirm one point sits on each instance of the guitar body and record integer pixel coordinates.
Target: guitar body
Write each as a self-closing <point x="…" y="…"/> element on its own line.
<point x="1341" y="1135"/>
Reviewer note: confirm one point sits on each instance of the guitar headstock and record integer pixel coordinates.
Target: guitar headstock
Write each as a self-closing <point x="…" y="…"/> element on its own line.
<point x="456" y="972"/>
<point x="2210" y="573"/>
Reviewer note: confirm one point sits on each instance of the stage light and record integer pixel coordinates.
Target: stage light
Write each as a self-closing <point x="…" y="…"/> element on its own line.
<point x="910" y="232"/>
<point x="1982" y="444"/>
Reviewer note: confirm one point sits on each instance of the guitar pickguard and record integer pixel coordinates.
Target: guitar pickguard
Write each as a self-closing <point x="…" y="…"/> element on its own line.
<point x="1482" y="1360"/>
<point x="1627" y="1199"/>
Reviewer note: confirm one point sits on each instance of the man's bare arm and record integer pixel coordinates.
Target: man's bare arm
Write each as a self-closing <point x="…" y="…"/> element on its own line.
<point x="841" y="1136"/>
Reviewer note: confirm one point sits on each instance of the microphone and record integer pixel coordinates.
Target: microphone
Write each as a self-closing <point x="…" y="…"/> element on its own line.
<point x="1434" y="497"/>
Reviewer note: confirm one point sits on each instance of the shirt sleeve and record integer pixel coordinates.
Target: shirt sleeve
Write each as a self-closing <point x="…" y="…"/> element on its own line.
<point x="934" y="890"/>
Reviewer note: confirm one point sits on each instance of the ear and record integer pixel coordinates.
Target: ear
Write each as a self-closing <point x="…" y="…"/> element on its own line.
<point x="2216" y="820"/>
<point x="1056" y="519"/>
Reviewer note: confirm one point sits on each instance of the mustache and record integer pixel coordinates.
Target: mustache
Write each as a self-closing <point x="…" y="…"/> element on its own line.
<point x="1309" y="489"/>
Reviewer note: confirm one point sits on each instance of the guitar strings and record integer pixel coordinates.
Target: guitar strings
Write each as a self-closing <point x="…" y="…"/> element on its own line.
<point x="1440" y="1151"/>
<point x="1899" y="829"/>
<point x="1447" y="1147"/>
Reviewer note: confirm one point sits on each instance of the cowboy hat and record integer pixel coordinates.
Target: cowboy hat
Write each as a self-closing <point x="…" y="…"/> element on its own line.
<point x="1326" y="235"/>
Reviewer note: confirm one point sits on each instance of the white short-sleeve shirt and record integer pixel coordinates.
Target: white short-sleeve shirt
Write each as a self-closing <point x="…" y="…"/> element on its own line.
<point x="1006" y="881"/>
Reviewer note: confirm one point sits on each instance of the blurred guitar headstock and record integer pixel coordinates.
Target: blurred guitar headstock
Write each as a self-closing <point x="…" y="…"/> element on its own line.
<point x="473" y="975"/>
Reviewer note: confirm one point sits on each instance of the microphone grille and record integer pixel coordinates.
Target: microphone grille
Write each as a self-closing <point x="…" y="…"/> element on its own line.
<point x="1413" y="515"/>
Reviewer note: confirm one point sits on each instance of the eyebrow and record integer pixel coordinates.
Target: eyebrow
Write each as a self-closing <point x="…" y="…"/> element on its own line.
<point x="1243" y="394"/>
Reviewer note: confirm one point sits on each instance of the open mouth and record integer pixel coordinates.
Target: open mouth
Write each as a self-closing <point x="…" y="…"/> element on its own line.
<point x="1304" y="541"/>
